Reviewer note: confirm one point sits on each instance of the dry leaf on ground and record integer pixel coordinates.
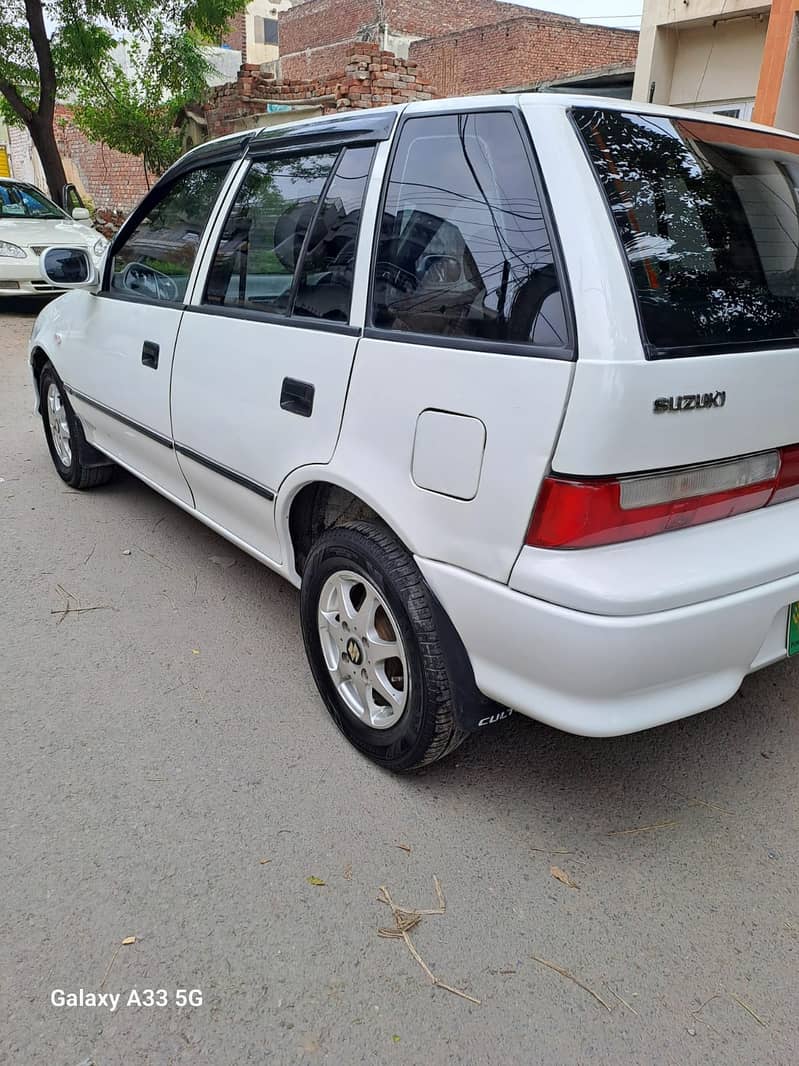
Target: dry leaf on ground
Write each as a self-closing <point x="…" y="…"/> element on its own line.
<point x="563" y="877"/>
<point x="315" y="881"/>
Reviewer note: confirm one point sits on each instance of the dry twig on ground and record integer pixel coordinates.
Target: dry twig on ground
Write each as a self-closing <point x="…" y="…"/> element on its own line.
<point x="643" y="828"/>
<point x="407" y="918"/>
<point x="571" y="977"/>
<point x="62" y="612"/>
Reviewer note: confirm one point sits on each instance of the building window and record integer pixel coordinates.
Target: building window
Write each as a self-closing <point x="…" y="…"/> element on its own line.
<point x="265" y="31"/>
<point x="729" y="109"/>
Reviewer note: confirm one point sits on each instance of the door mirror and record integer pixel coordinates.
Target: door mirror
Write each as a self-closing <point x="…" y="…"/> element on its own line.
<point x="68" y="268"/>
<point x="71" y="198"/>
<point x="82" y="214"/>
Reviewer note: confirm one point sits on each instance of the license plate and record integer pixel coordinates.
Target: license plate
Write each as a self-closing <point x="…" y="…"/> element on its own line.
<point x="793" y="629"/>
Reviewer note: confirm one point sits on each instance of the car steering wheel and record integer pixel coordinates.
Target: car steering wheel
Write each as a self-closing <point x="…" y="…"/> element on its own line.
<point x="394" y="275"/>
<point x="141" y="278"/>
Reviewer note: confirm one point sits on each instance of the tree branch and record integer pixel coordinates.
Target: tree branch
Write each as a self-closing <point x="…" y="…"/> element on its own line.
<point x="12" y="95"/>
<point x="41" y="46"/>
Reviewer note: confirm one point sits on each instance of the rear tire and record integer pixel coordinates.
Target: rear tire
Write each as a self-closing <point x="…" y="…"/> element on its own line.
<point x="370" y="637"/>
<point x="65" y="438"/>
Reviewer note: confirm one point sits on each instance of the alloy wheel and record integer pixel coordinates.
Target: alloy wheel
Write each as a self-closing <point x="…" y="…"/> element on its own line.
<point x="59" y="426"/>
<point x="363" y="649"/>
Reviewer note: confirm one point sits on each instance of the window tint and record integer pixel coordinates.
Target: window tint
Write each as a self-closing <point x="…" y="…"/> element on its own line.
<point x="325" y="284"/>
<point x="263" y="236"/>
<point x="156" y="259"/>
<point x="464" y="249"/>
<point x="708" y="216"/>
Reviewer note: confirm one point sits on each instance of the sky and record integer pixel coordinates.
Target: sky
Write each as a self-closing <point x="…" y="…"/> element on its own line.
<point x="626" y="14"/>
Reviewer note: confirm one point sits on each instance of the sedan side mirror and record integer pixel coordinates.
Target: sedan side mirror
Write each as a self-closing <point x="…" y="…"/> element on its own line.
<point x="68" y="268"/>
<point x="82" y="214"/>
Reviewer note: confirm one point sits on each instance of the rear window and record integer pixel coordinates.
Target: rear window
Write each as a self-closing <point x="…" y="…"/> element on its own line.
<point x="708" y="216"/>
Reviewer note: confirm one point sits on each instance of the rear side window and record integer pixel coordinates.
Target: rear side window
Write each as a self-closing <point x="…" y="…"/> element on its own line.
<point x="463" y="249"/>
<point x="263" y="236"/>
<point x="288" y="245"/>
<point x="708" y="216"/>
<point x="324" y="288"/>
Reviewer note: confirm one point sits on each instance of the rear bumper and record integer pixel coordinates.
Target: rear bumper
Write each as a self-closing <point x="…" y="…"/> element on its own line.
<point x="603" y="675"/>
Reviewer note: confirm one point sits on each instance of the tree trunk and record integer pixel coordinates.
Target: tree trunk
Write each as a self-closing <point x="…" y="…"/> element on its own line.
<point x="40" y="122"/>
<point x="43" y="137"/>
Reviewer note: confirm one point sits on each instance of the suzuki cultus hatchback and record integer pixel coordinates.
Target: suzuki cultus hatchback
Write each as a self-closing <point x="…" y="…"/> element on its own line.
<point x="505" y="385"/>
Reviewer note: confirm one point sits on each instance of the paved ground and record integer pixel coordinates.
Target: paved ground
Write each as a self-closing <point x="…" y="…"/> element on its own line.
<point x="155" y="751"/>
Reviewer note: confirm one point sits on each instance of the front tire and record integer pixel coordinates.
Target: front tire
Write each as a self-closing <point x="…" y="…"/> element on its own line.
<point x="65" y="439"/>
<point x="369" y="629"/>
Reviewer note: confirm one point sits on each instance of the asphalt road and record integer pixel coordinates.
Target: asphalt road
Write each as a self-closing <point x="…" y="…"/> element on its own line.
<point x="160" y="744"/>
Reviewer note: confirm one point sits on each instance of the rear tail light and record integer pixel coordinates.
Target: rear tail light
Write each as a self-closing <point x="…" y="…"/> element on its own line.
<point x="788" y="480"/>
<point x="582" y="513"/>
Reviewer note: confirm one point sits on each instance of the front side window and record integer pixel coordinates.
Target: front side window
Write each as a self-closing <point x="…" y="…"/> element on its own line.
<point x="288" y="245"/>
<point x="708" y="216"/>
<point x="156" y="259"/>
<point x="464" y="250"/>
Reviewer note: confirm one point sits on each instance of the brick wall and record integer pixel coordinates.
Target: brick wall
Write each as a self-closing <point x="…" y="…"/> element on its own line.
<point x="322" y="22"/>
<point x="432" y="18"/>
<point x="370" y="78"/>
<point x="315" y="35"/>
<point x="112" y="179"/>
<point x="236" y="35"/>
<point x="519" y="52"/>
<point x="323" y="61"/>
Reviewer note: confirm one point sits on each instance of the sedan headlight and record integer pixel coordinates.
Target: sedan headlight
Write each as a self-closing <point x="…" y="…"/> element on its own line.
<point x="99" y="246"/>
<point x="11" y="251"/>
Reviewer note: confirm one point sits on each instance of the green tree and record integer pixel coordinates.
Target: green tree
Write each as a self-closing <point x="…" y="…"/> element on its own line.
<point x="65" y="49"/>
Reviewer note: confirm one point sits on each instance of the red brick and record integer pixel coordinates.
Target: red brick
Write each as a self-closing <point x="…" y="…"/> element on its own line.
<point x="519" y="52"/>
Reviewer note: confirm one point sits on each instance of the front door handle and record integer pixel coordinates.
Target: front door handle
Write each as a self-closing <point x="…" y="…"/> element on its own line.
<point x="149" y="354"/>
<point x="297" y="397"/>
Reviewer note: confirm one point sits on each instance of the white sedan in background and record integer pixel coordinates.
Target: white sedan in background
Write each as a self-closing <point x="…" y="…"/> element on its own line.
<point x="29" y="223"/>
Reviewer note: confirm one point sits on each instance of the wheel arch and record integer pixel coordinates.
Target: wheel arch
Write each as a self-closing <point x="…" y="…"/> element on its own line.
<point x="38" y="360"/>
<point x="320" y="504"/>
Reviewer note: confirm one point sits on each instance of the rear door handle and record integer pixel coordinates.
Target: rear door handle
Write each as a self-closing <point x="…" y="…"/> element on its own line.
<point x="297" y="397"/>
<point x="149" y="354"/>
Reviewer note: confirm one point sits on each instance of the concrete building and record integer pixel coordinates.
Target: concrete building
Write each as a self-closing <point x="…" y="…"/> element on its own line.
<point x="254" y="32"/>
<point x="733" y="57"/>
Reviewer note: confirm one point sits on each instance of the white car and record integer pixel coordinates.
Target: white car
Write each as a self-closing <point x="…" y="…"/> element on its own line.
<point x="506" y="385"/>
<point x="30" y="223"/>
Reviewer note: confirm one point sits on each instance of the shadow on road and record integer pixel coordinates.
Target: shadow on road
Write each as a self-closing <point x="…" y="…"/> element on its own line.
<point x="744" y="748"/>
<point x="741" y="752"/>
<point x="23" y="306"/>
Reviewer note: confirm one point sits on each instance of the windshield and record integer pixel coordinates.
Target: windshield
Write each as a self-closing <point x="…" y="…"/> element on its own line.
<point x="23" y="201"/>
<point x="708" y="216"/>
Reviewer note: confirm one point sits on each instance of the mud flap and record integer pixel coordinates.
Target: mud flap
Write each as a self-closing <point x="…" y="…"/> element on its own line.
<point x="473" y="710"/>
